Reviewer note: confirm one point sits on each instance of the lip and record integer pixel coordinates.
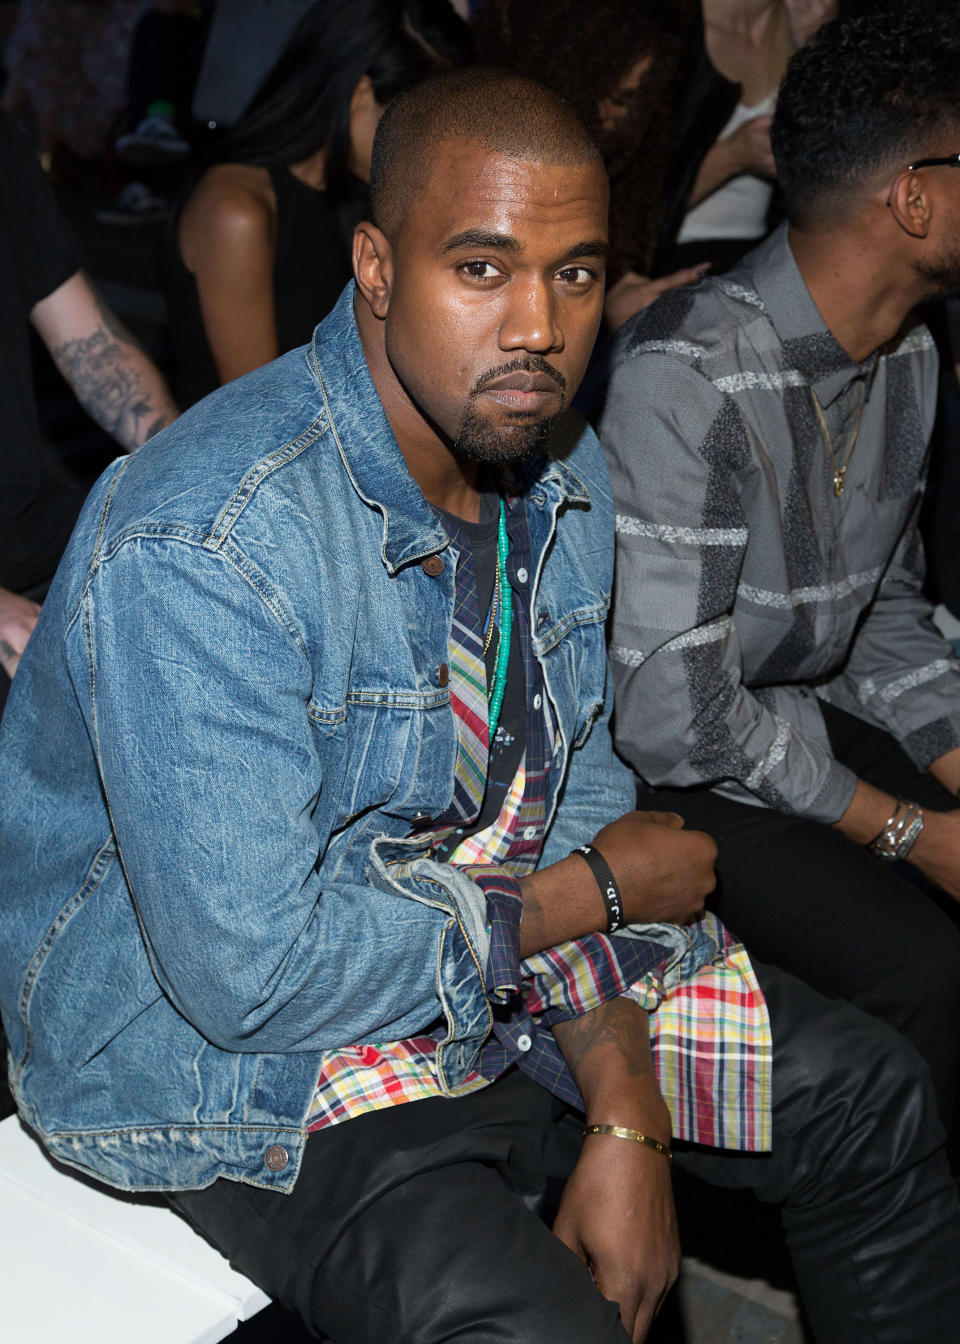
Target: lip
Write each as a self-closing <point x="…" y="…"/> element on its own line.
<point x="524" y="390"/>
<point x="521" y="399"/>
<point x="522" y="381"/>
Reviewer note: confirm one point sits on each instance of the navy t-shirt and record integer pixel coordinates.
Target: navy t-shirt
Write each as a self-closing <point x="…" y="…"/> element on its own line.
<point x="38" y="252"/>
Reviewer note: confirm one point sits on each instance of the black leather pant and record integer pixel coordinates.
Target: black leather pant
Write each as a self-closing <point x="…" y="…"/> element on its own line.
<point x="803" y="897"/>
<point x="410" y="1224"/>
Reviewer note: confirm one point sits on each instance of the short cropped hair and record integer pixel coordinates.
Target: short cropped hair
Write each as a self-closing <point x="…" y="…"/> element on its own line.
<point x="504" y="112"/>
<point x="865" y="94"/>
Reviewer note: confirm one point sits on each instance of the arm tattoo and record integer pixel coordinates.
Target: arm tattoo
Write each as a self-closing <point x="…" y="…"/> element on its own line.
<point x="105" y="370"/>
<point x="531" y="919"/>
<point x="619" y="1023"/>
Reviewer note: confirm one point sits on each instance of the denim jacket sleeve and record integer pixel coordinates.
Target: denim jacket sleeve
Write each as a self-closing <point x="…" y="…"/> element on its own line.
<point x="197" y="686"/>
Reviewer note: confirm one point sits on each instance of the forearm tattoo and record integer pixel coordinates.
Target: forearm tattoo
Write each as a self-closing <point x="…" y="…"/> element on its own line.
<point x="105" y="370"/>
<point x="620" y="1024"/>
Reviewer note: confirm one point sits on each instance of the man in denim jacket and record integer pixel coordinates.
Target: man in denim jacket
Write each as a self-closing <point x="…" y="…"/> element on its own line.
<point x="252" y="886"/>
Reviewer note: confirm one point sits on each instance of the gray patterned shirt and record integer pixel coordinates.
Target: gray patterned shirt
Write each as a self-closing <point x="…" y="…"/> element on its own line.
<point x="746" y="588"/>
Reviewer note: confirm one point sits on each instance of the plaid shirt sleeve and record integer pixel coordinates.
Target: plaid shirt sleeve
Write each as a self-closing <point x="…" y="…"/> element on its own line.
<point x="560" y="982"/>
<point x="504" y="908"/>
<point x="706" y="1009"/>
<point x="567" y="981"/>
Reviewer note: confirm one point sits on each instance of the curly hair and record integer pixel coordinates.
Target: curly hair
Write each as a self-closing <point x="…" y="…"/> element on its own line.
<point x="866" y="93"/>
<point x="585" y="57"/>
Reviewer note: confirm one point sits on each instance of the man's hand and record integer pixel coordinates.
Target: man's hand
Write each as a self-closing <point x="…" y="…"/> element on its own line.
<point x="664" y="874"/>
<point x="18" y="616"/>
<point x="617" y="1210"/>
<point x="936" y="851"/>
<point x="617" y="1214"/>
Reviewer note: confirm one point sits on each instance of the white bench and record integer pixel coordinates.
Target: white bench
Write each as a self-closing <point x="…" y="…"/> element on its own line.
<point x="82" y="1265"/>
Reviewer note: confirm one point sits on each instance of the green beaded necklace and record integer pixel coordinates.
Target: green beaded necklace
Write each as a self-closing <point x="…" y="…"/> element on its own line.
<point x="506" y="627"/>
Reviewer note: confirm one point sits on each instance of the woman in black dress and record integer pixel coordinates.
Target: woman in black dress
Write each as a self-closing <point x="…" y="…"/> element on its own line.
<point x="261" y="249"/>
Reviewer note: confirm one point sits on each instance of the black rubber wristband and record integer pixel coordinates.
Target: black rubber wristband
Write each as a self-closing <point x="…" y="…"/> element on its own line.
<point x="607" y="884"/>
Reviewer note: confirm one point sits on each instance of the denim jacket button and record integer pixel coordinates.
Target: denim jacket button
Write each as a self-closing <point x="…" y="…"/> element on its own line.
<point x="433" y="565"/>
<point x="442" y="674"/>
<point x="275" y="1158"/>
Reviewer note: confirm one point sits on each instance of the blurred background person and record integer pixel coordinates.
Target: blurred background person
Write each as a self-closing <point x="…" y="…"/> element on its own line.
<point x="156" y="142"/>
<point x="719" y="181"/>
<point x="621" y="74"/>
<point x="261" y="249"/>
<point x="43" y="287"/>
<point x="67" y="65"/>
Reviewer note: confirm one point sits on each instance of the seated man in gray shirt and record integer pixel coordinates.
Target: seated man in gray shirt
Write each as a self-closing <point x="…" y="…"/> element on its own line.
<point x="779" y="680"/>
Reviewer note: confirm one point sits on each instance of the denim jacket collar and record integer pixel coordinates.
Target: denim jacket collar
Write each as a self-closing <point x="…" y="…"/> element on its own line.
<point x="379" y="474"/>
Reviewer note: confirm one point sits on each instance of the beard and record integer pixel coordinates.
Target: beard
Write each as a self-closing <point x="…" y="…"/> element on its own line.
<point x="943" y="275"/>
<point x="481" y="440"/>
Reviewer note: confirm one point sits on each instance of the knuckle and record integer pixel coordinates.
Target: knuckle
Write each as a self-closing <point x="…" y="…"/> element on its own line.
<point x="707" y="844"/>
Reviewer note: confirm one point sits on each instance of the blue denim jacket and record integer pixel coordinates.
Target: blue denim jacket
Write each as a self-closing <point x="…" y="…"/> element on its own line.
<point x="228" y="717"/>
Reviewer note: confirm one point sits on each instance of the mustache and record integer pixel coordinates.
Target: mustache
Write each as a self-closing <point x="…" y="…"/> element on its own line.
<point x="526" y="364"/>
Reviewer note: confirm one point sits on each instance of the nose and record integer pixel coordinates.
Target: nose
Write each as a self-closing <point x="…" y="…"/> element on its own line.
<point x="530" y="321"/>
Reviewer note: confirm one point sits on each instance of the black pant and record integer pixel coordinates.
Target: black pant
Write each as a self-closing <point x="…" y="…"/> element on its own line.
<point x="801" y="896"/>
<point x="410" y="1223"/>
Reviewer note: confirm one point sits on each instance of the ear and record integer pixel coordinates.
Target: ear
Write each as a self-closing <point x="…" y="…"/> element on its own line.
<point x="910" y="204"/>
<point x="373" y="266"/>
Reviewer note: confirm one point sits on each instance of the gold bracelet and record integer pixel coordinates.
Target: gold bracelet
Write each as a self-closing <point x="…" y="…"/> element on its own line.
<point x="618" y="1132"/>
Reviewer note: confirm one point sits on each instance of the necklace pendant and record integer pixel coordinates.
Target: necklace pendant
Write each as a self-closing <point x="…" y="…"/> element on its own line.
<point x="838" y="481"/>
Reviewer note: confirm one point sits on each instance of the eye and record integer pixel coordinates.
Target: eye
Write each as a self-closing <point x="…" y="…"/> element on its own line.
<point x="479" y="270"/>
<point x="578" y="277"/>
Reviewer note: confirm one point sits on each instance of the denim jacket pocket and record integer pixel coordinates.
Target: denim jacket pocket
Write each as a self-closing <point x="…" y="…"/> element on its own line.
<point x="386" y="752"/>
<point x="575" y="666"/>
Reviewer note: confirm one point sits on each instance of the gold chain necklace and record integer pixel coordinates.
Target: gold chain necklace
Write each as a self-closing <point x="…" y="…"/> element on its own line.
<point x="839" y="472"/>
<point x="494" y="607"/>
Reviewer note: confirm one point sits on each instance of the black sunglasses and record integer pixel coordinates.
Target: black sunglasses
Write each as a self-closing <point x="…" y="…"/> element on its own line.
<point x="945" y="161"/>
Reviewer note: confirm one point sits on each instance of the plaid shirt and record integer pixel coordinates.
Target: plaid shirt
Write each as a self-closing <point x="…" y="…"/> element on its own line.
<point x="709" y="1028"/>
